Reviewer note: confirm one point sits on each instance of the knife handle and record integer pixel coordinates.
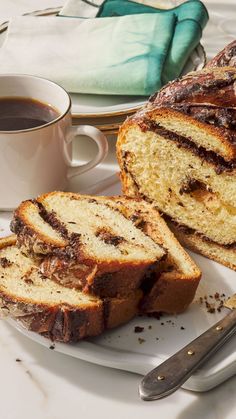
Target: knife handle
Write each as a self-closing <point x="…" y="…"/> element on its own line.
<point x="171" y="374"/>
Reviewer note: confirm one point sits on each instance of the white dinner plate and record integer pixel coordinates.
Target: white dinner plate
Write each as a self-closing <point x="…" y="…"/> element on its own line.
<point x="124" y="349"/>
<point x="88" y="105"/>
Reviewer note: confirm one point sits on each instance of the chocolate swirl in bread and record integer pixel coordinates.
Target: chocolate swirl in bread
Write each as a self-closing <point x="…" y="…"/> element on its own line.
<point x="184" y="137"/>
<point x="120" y="245"/>
<point x="48" y="308"/>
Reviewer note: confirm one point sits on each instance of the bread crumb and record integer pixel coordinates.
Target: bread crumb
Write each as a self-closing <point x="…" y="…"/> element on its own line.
<point x="138" y="329"/>
<point x="216" y="304"/>
<point x="155" y="315"/>
<point x="141" y="340"/>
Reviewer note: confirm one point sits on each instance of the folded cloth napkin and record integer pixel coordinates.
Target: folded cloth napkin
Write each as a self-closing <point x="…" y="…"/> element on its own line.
<point x="131" y="55"/>
<point x="191" y="9"/>
<point x="81" y="8"/>
<point x="123" y="55"/>
<point x="191" y="18"/>
<point x="85" y="8"/>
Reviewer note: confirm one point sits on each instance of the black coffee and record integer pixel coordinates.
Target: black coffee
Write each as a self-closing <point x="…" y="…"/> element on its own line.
<point x="18" y="113"/>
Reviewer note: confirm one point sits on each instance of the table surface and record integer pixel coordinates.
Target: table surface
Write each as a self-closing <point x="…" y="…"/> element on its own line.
<point x="49" y="385"/>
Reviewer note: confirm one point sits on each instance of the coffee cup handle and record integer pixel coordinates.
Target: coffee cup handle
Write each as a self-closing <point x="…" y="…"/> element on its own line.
<point x="74" y="167"/>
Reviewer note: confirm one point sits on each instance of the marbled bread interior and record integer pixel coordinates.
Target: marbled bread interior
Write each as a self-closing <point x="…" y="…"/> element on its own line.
<point x="179" y="153"/>
<point x="85" y="242"/>
<point x="174" y="274"/>
<point x="43" y="306"/>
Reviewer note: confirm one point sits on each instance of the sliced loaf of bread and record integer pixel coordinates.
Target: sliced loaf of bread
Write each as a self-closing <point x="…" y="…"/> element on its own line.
<point x="46" y="307"/>
<point x="179" y="153"/>
<point x="169" y="285"/>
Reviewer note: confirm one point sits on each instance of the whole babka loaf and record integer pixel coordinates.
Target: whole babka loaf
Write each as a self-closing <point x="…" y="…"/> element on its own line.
<point x="179" y="152"/>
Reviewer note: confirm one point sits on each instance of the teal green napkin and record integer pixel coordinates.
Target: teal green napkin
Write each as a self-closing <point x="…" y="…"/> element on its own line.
<point x="121" y="55"/>
<point x="191" y="18"/>
<point x="132" y="54"/>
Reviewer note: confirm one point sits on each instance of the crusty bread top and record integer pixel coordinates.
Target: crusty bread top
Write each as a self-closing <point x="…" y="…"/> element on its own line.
<point x="226" y="57"/>
<point x="84" y="229"/>
<point x="200" y="106"/>
<point x="211" y="85"/>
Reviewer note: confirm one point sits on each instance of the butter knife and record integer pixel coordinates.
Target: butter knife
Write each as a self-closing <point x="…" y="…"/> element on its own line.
<point x="171" y="374"/>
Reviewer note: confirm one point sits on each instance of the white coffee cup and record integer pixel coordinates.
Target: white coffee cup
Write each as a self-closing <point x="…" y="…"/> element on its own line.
<point x="38" y="160"/>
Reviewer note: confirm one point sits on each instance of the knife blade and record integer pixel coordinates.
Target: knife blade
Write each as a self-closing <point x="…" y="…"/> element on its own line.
<point x="172" y="373"/>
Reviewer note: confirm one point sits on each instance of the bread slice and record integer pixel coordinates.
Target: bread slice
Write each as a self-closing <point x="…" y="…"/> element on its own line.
<point x="172" y="286"/>
<point x="85" y="242"/>
<point x="195" y="242"/>
<point x="169" y="285"/>
<point x="43" y="306"/>
<point x="179" y="153"/>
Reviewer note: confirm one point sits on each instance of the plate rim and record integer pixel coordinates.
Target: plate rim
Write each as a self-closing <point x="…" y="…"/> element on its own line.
<point x="202" y="380"/>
